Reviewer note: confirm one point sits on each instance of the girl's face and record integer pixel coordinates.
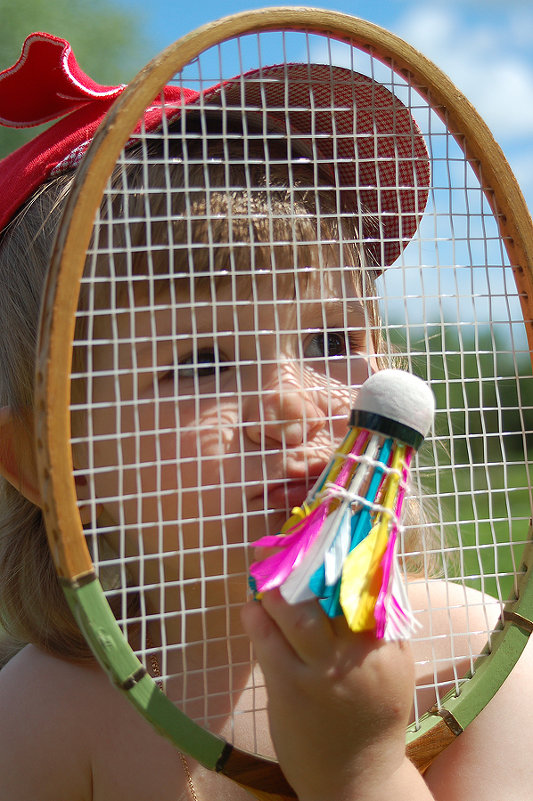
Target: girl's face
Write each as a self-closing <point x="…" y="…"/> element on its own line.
<point x="212" y="416"/>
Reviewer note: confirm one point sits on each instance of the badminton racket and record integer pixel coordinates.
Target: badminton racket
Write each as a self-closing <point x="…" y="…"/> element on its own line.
<point x="166" y="426"/>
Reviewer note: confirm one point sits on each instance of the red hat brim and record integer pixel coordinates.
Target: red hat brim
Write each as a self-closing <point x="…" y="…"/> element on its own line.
<point x="358" y="130"/>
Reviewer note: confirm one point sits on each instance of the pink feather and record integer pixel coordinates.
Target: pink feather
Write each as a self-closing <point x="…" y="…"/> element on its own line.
<point x="292" y="547"/>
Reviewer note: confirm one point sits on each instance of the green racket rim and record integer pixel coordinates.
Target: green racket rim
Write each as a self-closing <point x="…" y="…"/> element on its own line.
<point x="95" y="618"/>
<point x="106" y="640"/>
<point x="91" y="610"/>
<point x="459" y="709"/>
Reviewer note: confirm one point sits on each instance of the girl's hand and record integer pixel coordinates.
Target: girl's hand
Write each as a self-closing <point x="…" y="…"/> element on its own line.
<point x="338" y="703"/>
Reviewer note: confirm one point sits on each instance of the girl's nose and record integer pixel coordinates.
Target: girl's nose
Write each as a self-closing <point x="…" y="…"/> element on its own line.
<point x="286" y="416"/>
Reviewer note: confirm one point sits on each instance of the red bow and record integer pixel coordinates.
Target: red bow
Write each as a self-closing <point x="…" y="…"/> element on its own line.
<point x="46" y="83"/>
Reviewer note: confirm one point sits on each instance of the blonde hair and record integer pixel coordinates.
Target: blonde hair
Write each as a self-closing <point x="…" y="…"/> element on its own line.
<point x="279" y="211"/>
<point x="29" y="588"/>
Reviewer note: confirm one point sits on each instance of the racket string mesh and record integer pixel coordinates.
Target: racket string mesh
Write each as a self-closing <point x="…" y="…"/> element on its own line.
<point x="227" y="318"/>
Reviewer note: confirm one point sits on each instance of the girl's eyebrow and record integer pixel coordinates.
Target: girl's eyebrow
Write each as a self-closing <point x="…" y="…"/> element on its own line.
<point x="352" y="307"/>
<point x="169" y="328"/>
<point x="202" y="309"/>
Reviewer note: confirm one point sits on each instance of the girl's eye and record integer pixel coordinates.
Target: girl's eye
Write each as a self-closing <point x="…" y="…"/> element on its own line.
<point x="326" y="345"/>
<point x="202" y="363"/>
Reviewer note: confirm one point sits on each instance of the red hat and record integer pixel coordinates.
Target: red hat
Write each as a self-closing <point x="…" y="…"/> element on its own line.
<point x="353" y="124"/>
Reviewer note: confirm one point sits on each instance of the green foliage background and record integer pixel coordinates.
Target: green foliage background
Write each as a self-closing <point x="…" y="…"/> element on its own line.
<point x="109" y="42"/>
<point x="483" y="445"/>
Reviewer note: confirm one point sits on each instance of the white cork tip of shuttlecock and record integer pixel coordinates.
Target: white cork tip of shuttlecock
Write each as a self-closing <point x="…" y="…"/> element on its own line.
<point x="398" y="396"/>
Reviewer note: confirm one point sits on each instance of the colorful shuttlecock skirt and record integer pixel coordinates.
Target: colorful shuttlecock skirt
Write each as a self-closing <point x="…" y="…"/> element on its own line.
<point x="341" y="545"/>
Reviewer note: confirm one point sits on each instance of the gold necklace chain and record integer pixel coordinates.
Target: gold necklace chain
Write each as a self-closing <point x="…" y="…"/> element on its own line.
<point x="156" y="672"/>
<point x="188" y="776"/>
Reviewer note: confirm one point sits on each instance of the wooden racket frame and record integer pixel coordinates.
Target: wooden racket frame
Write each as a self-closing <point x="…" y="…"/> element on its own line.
<point x="52" y="385"/>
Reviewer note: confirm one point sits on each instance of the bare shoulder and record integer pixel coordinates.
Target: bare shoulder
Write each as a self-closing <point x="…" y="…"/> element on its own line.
<point x="491" y="759"/>
<point x="68" y="735"/>
<point x="40" y="704"/>
<point x="454" y="626"/>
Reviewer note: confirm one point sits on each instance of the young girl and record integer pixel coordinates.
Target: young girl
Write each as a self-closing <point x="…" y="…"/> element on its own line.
<point x="206" y="431"/>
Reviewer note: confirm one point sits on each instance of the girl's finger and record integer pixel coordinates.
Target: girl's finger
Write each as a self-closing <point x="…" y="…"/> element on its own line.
<point x="275" y="654"/>
<point x="305" y="627"/>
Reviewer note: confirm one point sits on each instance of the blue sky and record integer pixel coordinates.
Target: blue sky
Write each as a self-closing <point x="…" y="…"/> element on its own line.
<point x="485" y="46"/>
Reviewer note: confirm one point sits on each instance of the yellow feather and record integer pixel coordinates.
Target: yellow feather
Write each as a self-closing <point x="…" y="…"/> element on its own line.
<point x="362" y="578"/>
<point x="362" y="574"/>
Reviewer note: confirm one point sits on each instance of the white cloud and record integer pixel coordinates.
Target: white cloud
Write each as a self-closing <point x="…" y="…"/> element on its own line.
<point x="489" y="57"/>
<point x="486" y="61"/>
